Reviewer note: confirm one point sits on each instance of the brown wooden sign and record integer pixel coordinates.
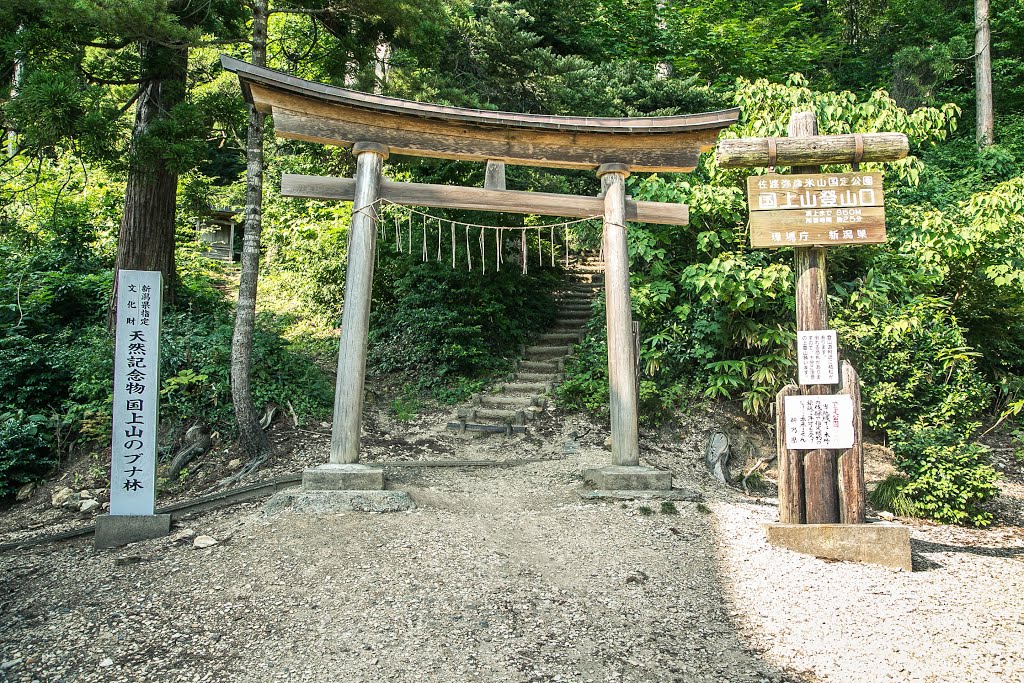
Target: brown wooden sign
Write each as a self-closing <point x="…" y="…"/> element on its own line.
<point x="816" y="209"/>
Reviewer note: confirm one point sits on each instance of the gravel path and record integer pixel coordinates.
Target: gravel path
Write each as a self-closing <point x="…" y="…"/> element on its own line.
<point x="959" y="616"/>
<point x="504" y="575"/>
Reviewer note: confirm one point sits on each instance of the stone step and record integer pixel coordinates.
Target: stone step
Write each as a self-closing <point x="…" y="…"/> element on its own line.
<point x="553" y="365"/>
<point x="548" y="378"/>
<point x="520" y="386"/>
<point x="463" y="427"/>
<point x="544" y="352"/>
<point x="558" y="338"/>
<point x="587" y="278"/>
<point x="495" y="415"/>
<point x="510" y="401"/>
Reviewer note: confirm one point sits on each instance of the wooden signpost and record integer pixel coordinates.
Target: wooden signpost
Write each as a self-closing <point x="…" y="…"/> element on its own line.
<point x="821" y="465"/>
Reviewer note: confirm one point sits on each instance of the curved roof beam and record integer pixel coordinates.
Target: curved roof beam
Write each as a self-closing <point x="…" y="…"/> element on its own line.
<point x="306" y="110"/>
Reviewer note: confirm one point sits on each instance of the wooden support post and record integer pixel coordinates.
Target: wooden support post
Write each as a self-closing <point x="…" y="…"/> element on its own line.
<point x="355" y="320"/>
<point x="820" y="494"/>
<point x="791" y="466"/>
<point x="851" y="461"/>
<point x="494" y="177"/>
<point x="621" y="365"/>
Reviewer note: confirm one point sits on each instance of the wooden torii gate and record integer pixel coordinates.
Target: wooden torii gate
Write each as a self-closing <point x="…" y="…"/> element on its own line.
<point x="375" y="126"/>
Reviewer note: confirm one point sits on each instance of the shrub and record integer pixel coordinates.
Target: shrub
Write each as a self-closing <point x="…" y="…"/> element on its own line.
<point x="948" y="478"/>
<point x="442" y="324"/>
<point x="25" y="453"/>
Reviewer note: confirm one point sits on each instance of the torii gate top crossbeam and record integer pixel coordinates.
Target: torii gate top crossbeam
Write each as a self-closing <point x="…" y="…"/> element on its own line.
<point x="321" y="113"/>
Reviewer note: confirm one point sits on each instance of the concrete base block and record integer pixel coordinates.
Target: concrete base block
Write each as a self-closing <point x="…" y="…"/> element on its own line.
<point x="338" y="477"/>
<point x="627" y="478"/>
<point x="884" y="544"/>
<point x="597" y="495"/>
<point x="326" y="502"/>
<point x="117" y="530"/>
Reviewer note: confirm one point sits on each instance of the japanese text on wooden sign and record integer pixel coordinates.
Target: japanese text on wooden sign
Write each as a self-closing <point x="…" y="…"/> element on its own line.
<point x="816" y="209"/>
<point x="817" y="357"/>
<point x="814" y="422"/>
<point x="136" y="393"/>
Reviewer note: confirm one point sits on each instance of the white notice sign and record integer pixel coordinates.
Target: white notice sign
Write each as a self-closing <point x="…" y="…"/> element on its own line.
<point x="817" y="357"/>
<point x="136" y="393"/>
<point x="819" y="422"/>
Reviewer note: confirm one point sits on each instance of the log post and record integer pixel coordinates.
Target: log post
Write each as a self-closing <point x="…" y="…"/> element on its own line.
<point x="851" y="460"/>
<point x="355" y="319"/>
<point x="621" y="365"/>
<point x="820" y="494"/>
<point x="791" y="466"/>
<point x="799" y="151"/>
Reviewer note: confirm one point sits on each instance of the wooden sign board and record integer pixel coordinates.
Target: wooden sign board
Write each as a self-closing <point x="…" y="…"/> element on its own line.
<point x="816" y="209"/>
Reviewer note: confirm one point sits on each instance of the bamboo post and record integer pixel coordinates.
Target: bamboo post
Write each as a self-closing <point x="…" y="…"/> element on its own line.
<point x="851" y="461"/>
<point x="820" y="494"/>
<point x="621" y="364"/>
<point x="355" y="319"/>
<point x="791" y="467"/>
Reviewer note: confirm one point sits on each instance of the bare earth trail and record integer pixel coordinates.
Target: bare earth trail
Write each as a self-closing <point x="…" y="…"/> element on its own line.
<point x="500" y="575"/>
<point x="503" y="574"/>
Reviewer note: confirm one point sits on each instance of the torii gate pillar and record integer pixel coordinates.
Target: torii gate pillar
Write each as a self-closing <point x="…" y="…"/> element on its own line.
<point x="625" y="472"/>
<point x="343" y="472"/>
<point x="619" y="318"/>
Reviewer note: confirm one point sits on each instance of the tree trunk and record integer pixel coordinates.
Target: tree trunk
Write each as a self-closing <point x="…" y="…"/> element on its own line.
<point x="16" y="80"/>
<point x="253" y="438"/>
<point x="983" y="74"/>
<point x="146" y="237"/>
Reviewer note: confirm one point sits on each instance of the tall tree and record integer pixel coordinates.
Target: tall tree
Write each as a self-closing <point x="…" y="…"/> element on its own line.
<point x="254" y="439"/>
<point x="146" y="236"/>
<point x="985" y="134"/>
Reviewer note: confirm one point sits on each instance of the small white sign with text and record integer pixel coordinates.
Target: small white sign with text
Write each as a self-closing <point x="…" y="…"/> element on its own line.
<point x="817" y="355"/>
<point x="814" y="422"/>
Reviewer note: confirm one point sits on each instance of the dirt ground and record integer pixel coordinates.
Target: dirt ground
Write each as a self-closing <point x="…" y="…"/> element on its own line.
<point x="503" y="574"/>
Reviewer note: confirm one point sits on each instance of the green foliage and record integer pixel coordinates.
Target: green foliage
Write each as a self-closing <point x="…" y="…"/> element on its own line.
<point x="948" y="478"/>
<point x="25" y="452"/>
<point x="441" y="324"/>
<point x="915" y="364"/>
<point x="890" y="494"/>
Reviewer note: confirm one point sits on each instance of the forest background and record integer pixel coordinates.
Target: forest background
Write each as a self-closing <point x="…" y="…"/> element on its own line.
<point x="120" y="121"/>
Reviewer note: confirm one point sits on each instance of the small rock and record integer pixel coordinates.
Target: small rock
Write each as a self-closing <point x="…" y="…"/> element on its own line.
<point x="89" y="505"/>
<point x="608" y="443"/>
<point x="887" y="516"/>
<point x="204" y="541"/>
<point x="61" y="496"/>
<point x="106" y="662"/>
<point x="183" y="536"/>
<point x="85" y="494"/>
<point x="10" y="664"/>
<point x="234" y="464"/>
<point x="25" y="492"/>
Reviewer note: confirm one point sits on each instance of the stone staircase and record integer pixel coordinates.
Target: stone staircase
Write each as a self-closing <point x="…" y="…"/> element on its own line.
<point x="509" y="406"/>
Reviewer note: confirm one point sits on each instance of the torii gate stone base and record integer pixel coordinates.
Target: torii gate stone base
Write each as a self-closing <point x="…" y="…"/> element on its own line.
<point x="374" y="127"/>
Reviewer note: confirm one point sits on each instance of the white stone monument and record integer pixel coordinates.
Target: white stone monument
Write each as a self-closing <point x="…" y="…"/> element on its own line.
<point x="136" y="417"/>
